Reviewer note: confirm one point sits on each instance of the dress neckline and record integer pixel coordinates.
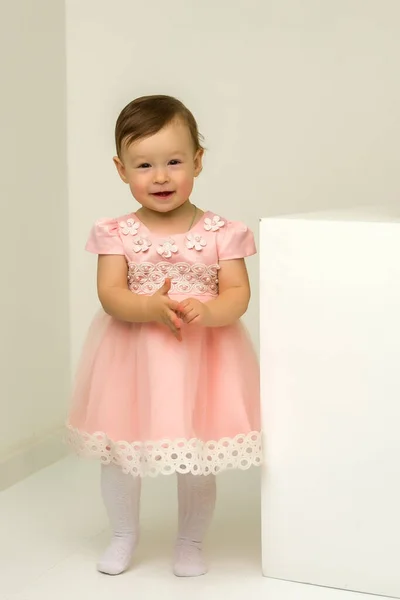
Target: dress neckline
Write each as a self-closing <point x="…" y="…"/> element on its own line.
<point x="204" y="216"/>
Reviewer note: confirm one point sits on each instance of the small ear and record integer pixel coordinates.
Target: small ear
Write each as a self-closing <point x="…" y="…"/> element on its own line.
<point x="120" y="168"/>
<point x="198" y="162"/>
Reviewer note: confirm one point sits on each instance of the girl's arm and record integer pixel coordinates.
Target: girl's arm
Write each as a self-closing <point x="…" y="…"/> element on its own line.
<point x="112" y="287"/>
<point x="234" y="294"/>
<point x="119" y="302"/>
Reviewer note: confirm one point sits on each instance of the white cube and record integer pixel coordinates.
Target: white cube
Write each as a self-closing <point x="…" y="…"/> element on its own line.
<point x="330" y="365"/>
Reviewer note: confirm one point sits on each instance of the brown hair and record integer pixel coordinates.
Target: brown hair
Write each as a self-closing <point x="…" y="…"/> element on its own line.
<point x="147" y="115"/>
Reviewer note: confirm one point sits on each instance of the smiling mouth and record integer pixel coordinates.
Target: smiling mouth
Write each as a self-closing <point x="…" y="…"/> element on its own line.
<point x="162" y="194"/>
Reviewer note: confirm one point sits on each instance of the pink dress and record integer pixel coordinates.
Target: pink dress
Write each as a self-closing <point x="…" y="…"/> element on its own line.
<point x="147" y="402"/>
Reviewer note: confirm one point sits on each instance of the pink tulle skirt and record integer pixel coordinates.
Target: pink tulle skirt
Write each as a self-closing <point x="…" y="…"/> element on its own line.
<point x="153" y="405"/>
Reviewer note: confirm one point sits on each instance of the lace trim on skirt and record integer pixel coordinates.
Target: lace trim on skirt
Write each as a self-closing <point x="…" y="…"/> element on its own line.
<point x="170" y="456"/>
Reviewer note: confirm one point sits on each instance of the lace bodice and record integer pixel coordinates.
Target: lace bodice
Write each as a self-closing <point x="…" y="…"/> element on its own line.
<point x="191" y="259"/>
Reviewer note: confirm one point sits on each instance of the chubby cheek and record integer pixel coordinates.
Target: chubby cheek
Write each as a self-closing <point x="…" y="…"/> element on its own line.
<point x="139" y="187"/>
<point x="184" y="186"/>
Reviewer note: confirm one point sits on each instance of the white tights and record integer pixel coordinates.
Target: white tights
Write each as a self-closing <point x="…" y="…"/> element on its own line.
<point x="121" y="496"/>
<point x="196" y="501"/>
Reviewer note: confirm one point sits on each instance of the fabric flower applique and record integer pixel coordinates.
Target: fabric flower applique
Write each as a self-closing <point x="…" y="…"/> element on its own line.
<point x="213" y="224"/>
<point x="141" y="244"/>
<point x="195" y="241"/>
<point x="129" y="227"/>
<point x="167" y="248"/>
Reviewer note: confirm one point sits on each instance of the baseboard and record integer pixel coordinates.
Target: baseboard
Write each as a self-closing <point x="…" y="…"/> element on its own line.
<point x="32" y="458"/>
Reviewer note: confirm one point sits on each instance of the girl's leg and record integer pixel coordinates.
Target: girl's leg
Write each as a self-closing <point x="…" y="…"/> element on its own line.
<point x="121" y="496"/>
<point x="196" y="500"/>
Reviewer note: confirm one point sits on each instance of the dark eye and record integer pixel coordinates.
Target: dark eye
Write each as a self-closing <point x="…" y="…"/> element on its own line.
<point x="144" y="166"/>
<point x="175" y="161"/>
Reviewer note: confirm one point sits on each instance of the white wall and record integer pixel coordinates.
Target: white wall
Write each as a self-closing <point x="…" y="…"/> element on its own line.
<point x="34" y="360"/>
<point x="330" y="90"/>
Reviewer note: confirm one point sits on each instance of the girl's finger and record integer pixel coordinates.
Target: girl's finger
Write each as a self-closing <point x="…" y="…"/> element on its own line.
<point x="173" y="305"/>
<point x="183" y="305"/>
<point x="184" y="316"/>
<point x="175" y="332"/>
<point x="175" y="321"/>
<point x="178" y="334"/>
<point x="192" y="318"/>
<point x="172" y="318"/>
<point x="166" y="319"/>
<point x="191" y="315"/>
<point x="175" y="325"/>
<point x="187" y="309"/>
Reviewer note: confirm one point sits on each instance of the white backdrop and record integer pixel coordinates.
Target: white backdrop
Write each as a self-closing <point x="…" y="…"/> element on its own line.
<point x="34" y="328"/>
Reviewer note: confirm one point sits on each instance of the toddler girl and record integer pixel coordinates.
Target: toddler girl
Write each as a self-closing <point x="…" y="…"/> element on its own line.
<point x="168" y="381"/>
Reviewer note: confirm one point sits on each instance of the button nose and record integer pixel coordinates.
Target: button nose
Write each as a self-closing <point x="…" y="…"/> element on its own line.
<point x="161" y="176"/>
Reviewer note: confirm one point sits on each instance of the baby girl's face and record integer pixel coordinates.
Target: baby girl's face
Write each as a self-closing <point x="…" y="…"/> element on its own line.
<point x="160" y="169"/>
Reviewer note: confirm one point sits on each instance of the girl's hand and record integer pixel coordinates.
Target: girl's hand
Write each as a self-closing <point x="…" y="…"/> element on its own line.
<point x="193" y="312"/>
<point x="162" y="309"/>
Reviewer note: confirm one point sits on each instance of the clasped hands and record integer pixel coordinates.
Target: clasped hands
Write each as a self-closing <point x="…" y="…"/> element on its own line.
<point x="163" y="309"/>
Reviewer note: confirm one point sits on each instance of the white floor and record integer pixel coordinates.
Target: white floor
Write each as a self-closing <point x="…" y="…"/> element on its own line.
<point x="53" y="527"/>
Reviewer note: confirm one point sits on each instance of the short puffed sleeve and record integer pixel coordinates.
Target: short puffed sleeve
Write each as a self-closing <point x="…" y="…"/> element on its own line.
<point x="104" y="238"/>
<point x="235" y="240"/>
